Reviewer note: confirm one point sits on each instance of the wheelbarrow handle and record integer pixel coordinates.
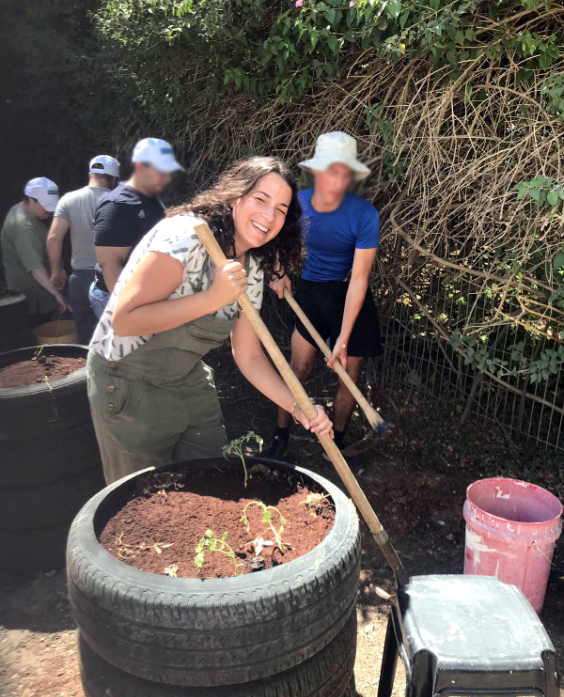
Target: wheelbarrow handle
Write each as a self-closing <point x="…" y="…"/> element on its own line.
<point x="212" y="247"/>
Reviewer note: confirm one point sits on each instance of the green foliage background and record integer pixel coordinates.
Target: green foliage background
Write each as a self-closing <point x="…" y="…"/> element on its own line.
<point x="457" y="105"/>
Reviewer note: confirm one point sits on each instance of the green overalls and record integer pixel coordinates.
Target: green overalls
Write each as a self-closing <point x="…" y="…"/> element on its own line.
<point x="159" y="402"/>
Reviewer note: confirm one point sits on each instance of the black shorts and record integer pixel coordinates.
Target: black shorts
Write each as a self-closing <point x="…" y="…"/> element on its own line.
<point x="324" y="305"/>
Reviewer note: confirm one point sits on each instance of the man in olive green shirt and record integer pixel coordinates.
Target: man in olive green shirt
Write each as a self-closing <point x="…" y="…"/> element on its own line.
<point x="24" y="253"/>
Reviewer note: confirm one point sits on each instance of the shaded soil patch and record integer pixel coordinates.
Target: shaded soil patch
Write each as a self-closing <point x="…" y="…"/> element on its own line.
<point x="40" y="369"/>
<point x="160" y="526"/>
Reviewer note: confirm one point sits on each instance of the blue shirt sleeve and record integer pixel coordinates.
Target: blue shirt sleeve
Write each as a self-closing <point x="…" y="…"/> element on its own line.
<point x="368" y="230"/>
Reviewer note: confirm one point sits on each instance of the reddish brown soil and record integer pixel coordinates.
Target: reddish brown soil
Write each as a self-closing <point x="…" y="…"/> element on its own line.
<point x="37" y="369"/>
<point x="161" y="525"/>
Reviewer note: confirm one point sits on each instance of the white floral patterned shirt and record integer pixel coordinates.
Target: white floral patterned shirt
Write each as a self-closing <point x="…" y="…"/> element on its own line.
<point x="176" y="237"/>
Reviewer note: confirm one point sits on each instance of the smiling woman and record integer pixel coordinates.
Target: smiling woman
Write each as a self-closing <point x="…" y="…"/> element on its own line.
<point x="254" y="191"/>
<point x="152" y="397"/>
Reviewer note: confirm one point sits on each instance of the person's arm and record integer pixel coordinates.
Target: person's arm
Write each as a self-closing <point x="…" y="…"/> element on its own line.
<point x="59" y="228"/>
<point x="255" y="366"/>
<point x="362" y="267"/>
<point x="143" y="306"/>
<point x="112" y="260"/>
<point x="281" y="282"/>
<point x="31" y="255"/>
<point x="42" y="277"/>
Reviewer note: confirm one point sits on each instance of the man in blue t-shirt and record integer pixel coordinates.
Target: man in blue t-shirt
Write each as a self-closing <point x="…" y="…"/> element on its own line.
<point x="341" y="236"/>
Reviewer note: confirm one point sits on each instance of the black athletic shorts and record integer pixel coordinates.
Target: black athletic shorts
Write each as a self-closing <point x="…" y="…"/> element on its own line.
<point x="324" y="304"/>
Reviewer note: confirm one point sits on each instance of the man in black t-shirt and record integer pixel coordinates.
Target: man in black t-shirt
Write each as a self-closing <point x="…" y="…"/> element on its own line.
<point x="126" y="214"/>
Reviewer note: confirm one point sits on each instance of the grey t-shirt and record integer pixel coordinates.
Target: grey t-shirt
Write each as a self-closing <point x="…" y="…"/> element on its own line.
<point x="78" y="209"/>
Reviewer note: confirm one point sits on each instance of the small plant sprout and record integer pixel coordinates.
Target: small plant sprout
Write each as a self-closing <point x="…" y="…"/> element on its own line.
<point x="158" y="546"/>
<point x="267" y="511"/>
<point x="210" y="543"/>
<point x="172" y="571"/>
<point x="313" y="501"/>
<point x="236" y="448"/>
<point x="162" y="481"/>
<point x="126" y="551"/>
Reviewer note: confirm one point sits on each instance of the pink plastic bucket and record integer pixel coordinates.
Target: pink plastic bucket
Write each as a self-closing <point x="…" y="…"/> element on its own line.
<point x="511" y="532"/>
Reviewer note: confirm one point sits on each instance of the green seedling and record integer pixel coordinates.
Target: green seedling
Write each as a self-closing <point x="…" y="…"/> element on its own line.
<point x="210" y="543"/>
<point x="236" y="448"/>
<point x="266" y="518"/>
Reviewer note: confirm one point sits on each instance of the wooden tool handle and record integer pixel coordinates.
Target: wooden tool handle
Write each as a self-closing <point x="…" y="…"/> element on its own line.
<point x="218" y="257"/>
<point x="371" y="414"/>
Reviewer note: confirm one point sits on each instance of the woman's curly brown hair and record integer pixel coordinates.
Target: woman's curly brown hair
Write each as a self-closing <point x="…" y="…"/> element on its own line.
<point x="214" y="206"/>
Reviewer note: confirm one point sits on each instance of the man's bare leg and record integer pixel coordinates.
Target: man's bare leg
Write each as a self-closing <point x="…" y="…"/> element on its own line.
<point x="344" y="401"/>
<point x="301" y="361"/>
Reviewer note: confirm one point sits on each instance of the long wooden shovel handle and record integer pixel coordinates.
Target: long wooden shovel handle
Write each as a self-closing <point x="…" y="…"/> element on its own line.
<point x="374" y="418"/>
<point x="214" y="250"/>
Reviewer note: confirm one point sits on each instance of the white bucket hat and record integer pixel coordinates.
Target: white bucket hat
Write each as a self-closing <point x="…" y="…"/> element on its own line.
<point x="336" y="147"/>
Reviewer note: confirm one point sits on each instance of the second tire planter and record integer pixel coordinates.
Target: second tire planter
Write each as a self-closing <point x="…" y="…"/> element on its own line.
<point x="192" y="632"/>
<point x="50" y="463"/>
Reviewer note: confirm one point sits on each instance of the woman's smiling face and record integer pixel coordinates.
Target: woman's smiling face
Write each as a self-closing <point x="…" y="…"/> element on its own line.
<point x="259" y="215"/>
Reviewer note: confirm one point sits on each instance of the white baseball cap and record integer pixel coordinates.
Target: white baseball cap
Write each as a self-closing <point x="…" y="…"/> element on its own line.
<point x="157" y="153"/>
<point x="45" y="191"/>
<point x="336" y="147"/>
<point x="104" y="164"/>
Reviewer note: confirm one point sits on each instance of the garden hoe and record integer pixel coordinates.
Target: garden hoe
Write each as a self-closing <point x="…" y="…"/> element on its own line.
<point x="343" y="470"/>
<point x="379" y="426"/>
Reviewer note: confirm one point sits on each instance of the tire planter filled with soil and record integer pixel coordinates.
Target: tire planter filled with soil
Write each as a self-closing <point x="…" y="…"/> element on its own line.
<point x="49" y="406"/>
<point x="210" y="632"/>
<point x="49" y="454"/>
<point x="14" y="320"/>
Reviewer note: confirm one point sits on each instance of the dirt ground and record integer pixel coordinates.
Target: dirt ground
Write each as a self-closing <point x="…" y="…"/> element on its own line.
<point x="415" y="479"/>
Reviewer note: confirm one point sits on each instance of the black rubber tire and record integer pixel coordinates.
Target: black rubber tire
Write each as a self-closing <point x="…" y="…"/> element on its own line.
<point x="39" y="410"/>
<point x="27" y="551"/>
<point x="14" y="322"/>
<point x="49" y="459"/>
<point x="49" y="464"/>
<point x="214" y="632"/>
<point x="32" y="507"/>
<point x="327" y="674"/>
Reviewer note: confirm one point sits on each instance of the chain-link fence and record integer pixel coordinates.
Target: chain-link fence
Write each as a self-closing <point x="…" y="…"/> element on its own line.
<point x="420" y="325"/>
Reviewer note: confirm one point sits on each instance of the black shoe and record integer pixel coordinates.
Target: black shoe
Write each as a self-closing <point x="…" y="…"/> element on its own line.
<point x="353" y="461"/>
<point x="277" y="449"/>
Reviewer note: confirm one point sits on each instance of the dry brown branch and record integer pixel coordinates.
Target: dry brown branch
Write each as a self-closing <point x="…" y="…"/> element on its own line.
<point x="444" y="175"/>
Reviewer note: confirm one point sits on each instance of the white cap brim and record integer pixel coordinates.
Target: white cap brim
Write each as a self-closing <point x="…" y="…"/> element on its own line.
<point x="49" y="203"/>
<point x="167" y="167"/>
<point x="323" y="162"/>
